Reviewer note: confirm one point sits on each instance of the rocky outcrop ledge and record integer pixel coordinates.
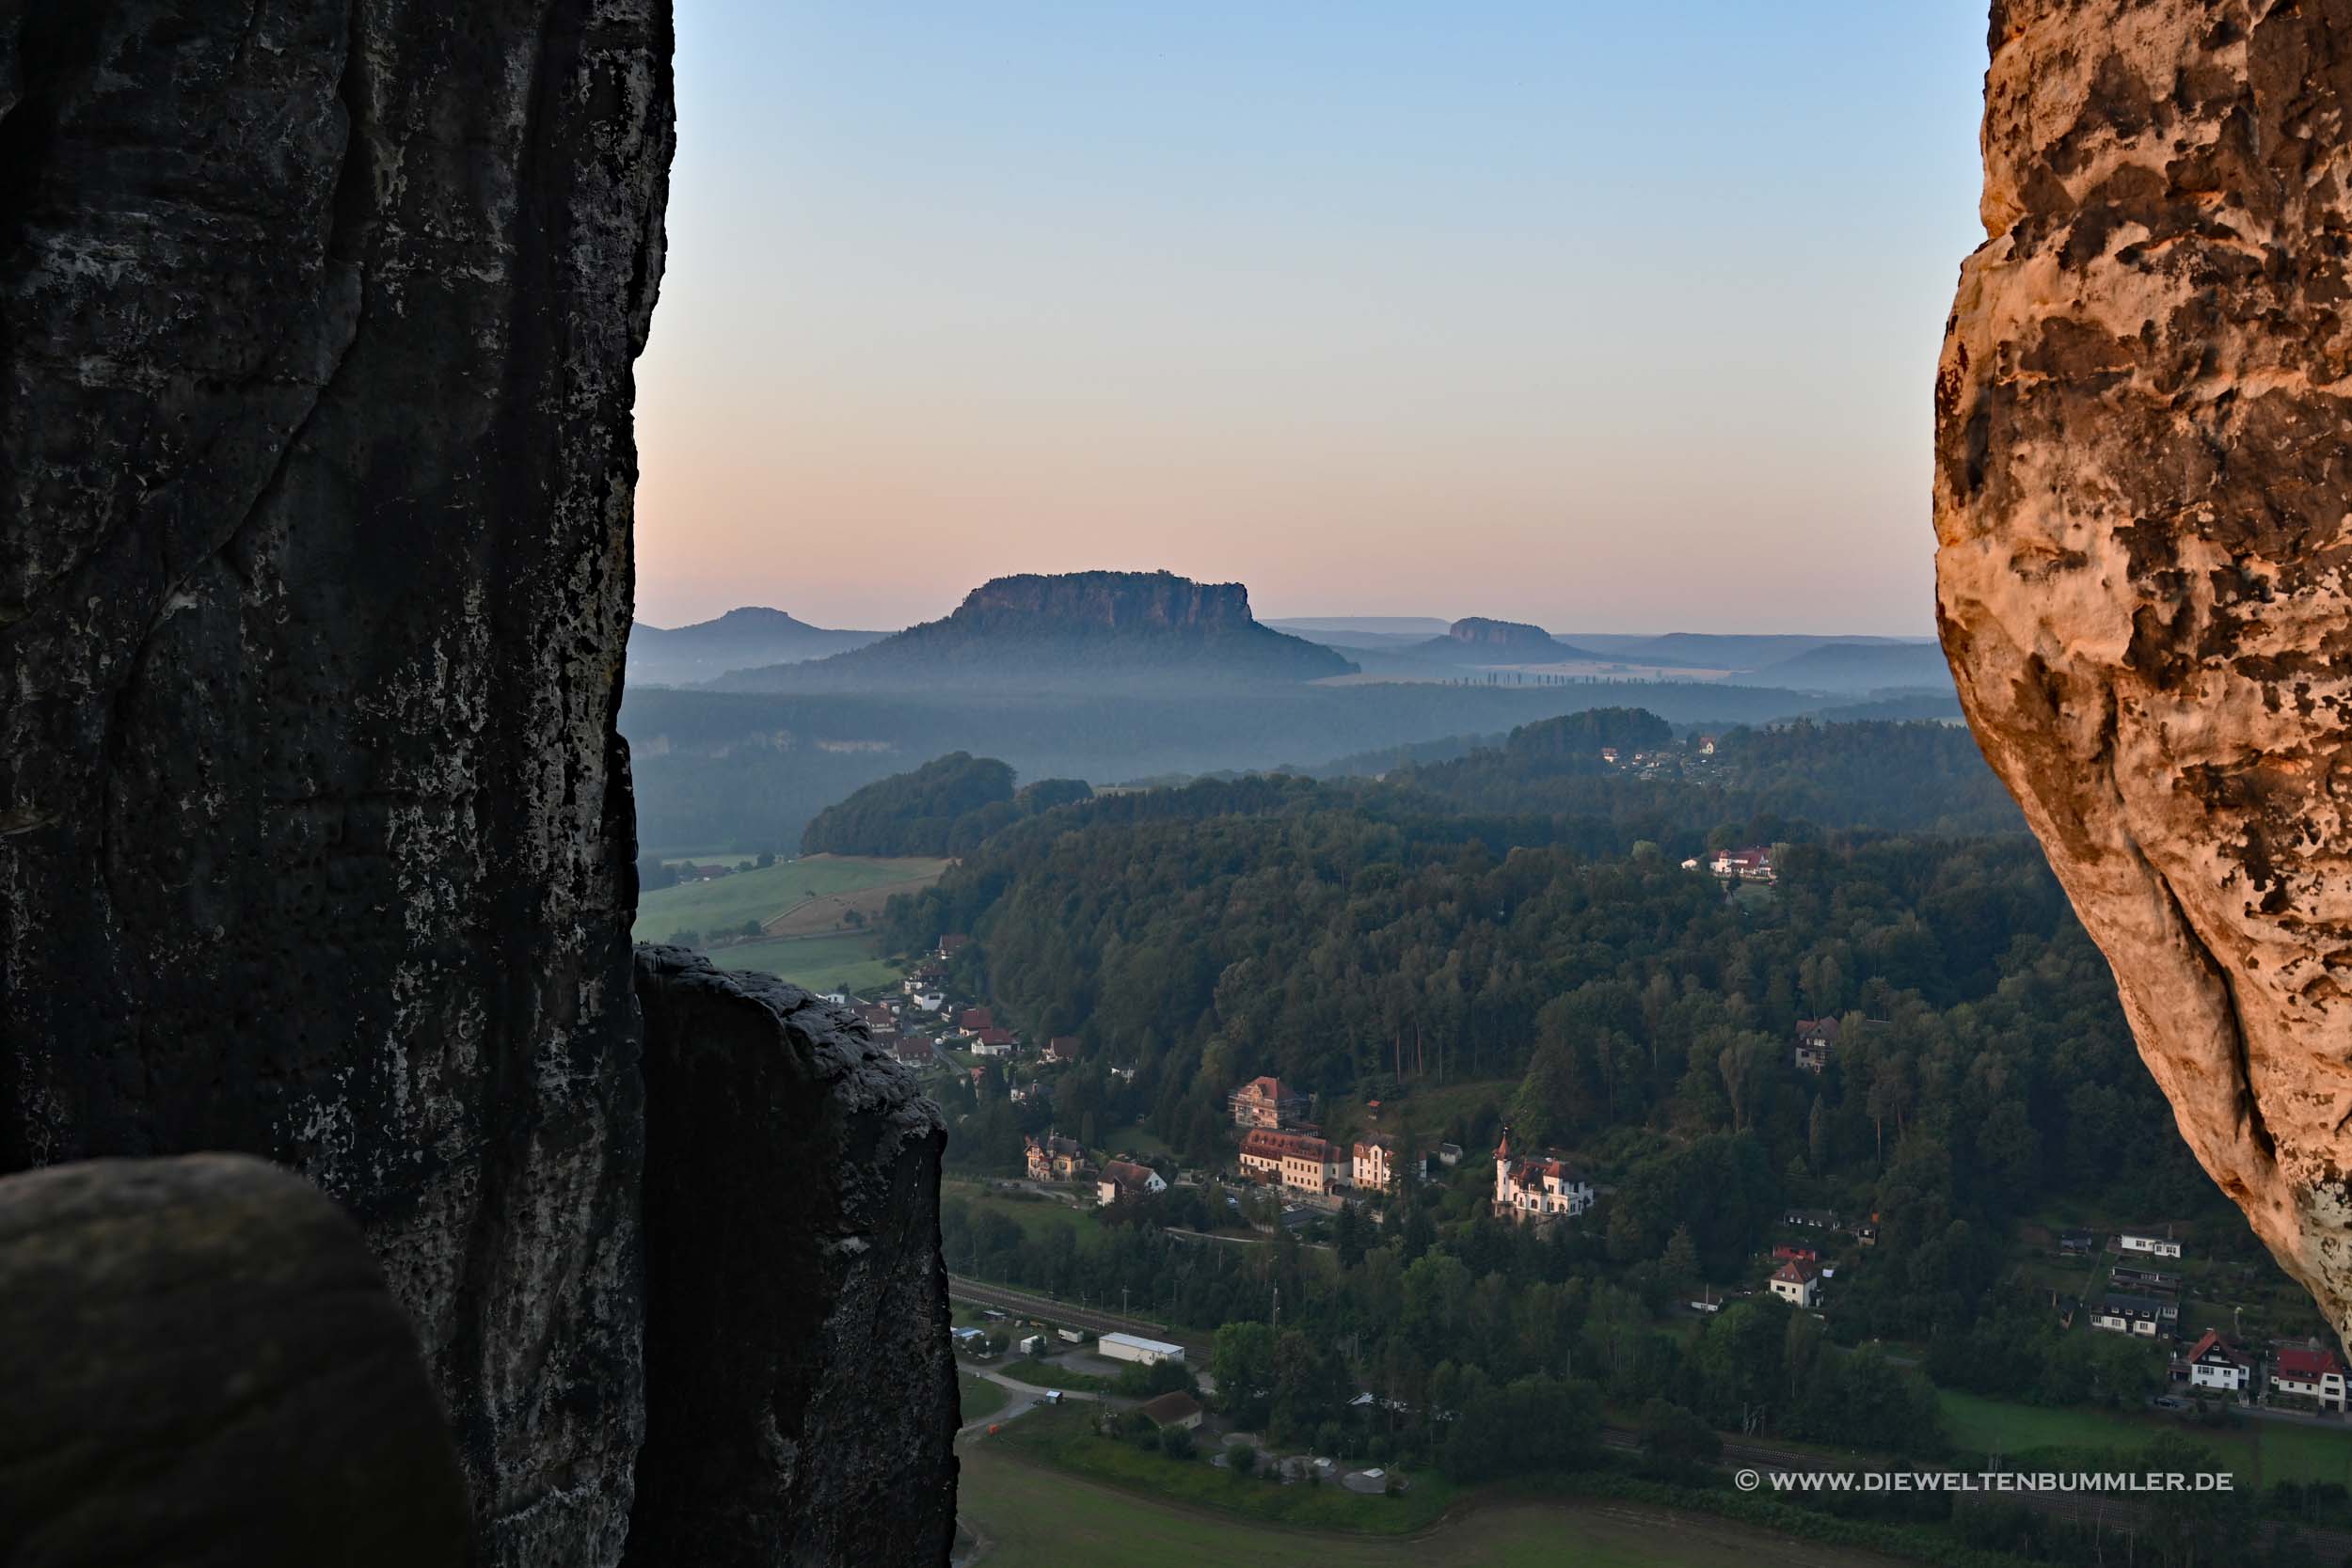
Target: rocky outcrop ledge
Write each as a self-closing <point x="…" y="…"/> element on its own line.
<point x="799" y="1389"/>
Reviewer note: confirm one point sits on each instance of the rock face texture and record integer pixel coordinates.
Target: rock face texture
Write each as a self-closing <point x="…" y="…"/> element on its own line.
<point x="2143" y="489"/>
<point x="316" y="326"/>
<point x="799" y="1385"/>
<point x="205" y="1370"/>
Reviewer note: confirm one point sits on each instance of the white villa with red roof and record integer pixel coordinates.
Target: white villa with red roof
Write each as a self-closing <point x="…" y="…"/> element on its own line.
<point x="1537" y="1187"/>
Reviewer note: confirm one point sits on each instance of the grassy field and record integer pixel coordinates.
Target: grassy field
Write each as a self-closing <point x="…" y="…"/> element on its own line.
<point x="2264" y="1450"/>
<point x="1035" y="1517"/>
<point x="821" y="963"/>
<point x="979" y="1397"/>
<point x="1063" y="1440"/>
<point x="1036" y="1216"/>
<point x="1052" y="1374"/>
<point x="762" y="895"/>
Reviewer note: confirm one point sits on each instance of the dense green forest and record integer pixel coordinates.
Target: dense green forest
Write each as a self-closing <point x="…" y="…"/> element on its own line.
<point x="946" y="807"/>
<point x="1333" y="934"/>
<point x="1511" y="936"/>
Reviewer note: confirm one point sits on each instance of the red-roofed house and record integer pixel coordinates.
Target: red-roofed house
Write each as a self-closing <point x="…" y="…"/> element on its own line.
<point x="1124" y="1181"/>
<point x="2312" y="1374"/>
<point x="1537" y="1187"/>
<point x="1798" y="1283"/>
<point x="1266" y="1103"/>
<point x="994" y="1043"/>
<point x="1297" y="1160"/>
<point x="1062" y="1048"/>
<point x="950" y="945"/>
<point x="974" y="1019"/>
<point x="2214" y="1363"/>
<point x="1754" y="864"/>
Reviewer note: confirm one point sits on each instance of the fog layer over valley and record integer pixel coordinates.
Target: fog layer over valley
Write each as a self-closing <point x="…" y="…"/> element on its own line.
<point x="1114" y="677"/>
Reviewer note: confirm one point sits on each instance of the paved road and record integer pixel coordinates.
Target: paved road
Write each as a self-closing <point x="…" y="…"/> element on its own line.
<point x="1027" y="1397"/>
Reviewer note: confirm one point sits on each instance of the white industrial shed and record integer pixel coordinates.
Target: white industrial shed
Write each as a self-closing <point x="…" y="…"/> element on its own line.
<point x="1128" y="1347"/>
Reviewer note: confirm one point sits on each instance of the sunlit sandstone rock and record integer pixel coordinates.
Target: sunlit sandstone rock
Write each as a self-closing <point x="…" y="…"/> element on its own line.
<point x="2142" y="482"/>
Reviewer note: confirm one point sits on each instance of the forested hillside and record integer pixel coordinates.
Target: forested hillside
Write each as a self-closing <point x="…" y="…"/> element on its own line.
<point x="946" y="807"/>
<point x="1341" y="934"/>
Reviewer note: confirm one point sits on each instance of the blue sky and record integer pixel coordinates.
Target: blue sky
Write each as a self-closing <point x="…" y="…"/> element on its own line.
<point x="1608" y="318"/>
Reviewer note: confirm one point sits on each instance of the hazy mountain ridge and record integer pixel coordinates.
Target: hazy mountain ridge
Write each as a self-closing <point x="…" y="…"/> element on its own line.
<point x="1082" y="628"/>
<point x="1485" y="641"/>
<point x="743" y="637"/>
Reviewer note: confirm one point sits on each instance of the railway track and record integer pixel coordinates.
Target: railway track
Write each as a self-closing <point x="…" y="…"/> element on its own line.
<point x="1037" y="1304"/>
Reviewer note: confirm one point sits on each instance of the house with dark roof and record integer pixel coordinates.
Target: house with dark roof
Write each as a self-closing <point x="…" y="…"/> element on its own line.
<point x="1175" y="1408"/>
<point x="1816" y="1038"/>
<point x="2122" y="1313"/>
<point x="1053" y="1158"/>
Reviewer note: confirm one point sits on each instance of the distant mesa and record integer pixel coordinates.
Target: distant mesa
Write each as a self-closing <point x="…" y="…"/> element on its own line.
<point x="1485" y="641"/>
<point x="1076" y="629"/>
<point x="740" y="639"/>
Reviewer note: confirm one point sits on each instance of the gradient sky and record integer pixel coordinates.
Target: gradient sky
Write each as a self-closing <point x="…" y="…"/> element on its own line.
<point x="1606" y="317"/>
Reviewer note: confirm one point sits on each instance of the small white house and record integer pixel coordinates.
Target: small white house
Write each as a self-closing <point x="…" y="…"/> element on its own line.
<point x="1130" y="1347"/>
<point x="1798" y="1283"/>
<point x="2216" y="1364"/>
<point x="927" y="1001"/>
<point x="2153" y="1246"/>
<point x="1034" y="1344"/>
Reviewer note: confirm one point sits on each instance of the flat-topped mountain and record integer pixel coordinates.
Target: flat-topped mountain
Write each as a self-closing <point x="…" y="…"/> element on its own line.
<point x="1485" y="641"/>
<point x="1072" y="629"/>
<point x="739" y="640"/>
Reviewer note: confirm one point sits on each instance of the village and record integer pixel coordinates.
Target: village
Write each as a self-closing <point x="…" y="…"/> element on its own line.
<point x="2132" y="1281"/>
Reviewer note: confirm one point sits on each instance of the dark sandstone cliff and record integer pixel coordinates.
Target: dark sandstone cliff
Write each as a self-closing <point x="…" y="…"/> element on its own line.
<point x="799" y="1379"/>
<point x="2142" y="485"/>
<point x="317" y="320"/>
